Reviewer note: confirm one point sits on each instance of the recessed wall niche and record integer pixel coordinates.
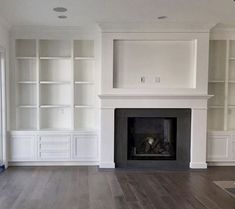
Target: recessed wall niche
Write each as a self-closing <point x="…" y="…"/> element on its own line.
<point x="154" y="63"/>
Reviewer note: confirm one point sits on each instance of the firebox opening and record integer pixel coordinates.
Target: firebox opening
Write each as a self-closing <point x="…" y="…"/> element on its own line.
<point x="152" y="138"/>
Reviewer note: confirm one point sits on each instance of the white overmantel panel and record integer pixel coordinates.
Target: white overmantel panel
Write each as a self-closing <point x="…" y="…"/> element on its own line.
<point x="200" y="42"/>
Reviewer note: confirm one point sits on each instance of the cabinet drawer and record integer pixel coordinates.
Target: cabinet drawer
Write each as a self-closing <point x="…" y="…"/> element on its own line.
<point x="54" y="147"/>
<point x="54" y="155"/>
<point x="233" y="149"/>
<point x="85" y="148"/>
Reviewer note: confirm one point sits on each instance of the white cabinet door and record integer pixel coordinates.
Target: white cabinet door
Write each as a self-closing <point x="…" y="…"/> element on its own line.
<point x="54" y="147"/>
<point x="233" y="148"/>
<point x="85" y="148"/>
<point x="218" y="148"/>
<point x="22" y="148"/>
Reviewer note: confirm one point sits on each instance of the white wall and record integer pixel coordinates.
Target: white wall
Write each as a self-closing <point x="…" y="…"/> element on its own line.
<point x="4" y="34"/>
<point x="4" y="46"/>
<point x="4" y="43"/>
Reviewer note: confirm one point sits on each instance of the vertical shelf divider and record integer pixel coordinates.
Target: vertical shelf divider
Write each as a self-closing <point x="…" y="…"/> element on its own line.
<point x="72" y="86"/>
<point x="38" y="81"/>
<point x="226" y="85"/>
<point x="15" y="86"/>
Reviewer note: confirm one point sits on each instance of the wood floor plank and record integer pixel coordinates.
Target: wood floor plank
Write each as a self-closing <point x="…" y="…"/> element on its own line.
<point x="91" y="188"/>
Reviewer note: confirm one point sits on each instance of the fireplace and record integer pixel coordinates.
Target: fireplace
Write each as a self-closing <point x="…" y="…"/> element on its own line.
<point x="153" y="138"/>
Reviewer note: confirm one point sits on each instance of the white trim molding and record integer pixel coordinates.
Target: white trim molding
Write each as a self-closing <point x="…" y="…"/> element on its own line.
<point x="198" y="165"/>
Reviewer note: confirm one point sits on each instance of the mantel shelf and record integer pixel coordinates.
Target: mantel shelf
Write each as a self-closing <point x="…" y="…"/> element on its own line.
<point x="152" y="96"/>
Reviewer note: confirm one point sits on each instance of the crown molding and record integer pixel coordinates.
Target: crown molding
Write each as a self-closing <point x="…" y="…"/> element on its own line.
<point x="223" y="32"/>
<point x="56" y="32"/>
<point x="148" y="27"/>
<point x="84" y="29"/>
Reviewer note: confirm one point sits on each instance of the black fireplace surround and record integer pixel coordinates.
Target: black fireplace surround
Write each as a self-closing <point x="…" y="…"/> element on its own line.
<point x="152" y="138"/>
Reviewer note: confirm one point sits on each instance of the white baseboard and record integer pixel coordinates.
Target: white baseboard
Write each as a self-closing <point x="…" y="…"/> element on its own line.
<point x="52" y="163"/>
<point x="221" y="163"/>
<point x="107" y="165"/>
<point x="198" y="165"/>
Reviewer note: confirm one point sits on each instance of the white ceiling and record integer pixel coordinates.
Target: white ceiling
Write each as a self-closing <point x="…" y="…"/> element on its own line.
<point x="87" y="12"/>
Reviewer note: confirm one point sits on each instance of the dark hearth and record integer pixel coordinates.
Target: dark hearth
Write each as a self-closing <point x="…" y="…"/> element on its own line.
<point x="152" y="138"/>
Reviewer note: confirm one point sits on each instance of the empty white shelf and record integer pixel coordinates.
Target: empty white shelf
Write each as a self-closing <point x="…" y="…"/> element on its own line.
<point x="54" y="58"/>
<point x="55" y="106"/>
<point x="55" y="82"/>
<point x="84" y="58"/>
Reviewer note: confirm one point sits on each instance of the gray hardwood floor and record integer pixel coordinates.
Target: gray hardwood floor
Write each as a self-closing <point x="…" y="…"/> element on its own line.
<point x="90" y="188"/>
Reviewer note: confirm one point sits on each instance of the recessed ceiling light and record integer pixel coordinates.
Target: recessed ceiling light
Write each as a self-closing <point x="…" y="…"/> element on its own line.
<point x="62" y="16"/>
<point x="60" y="9"/>
<point x="162" y="17"/>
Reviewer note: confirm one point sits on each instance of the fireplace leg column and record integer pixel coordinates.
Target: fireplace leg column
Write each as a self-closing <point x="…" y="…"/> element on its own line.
<point x="198" y="138"/>
<point x="107" y="139"/>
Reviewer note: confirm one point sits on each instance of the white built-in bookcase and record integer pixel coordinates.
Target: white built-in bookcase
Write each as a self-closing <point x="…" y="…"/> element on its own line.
<point x="54" y="85"/>
<point x="221" y="108"/>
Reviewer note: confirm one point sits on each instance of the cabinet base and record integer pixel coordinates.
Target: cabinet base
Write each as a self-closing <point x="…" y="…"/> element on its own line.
<point x="52" y="163"/>
<point x="221" y="163"/>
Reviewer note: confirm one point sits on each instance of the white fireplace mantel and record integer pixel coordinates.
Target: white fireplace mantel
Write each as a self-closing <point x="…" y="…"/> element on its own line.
<point x="197" y="104"/>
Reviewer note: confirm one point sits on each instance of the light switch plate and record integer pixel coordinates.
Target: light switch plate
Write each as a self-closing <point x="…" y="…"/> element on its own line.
<point x="142" y="79"/>
<point x="157" y="79"/>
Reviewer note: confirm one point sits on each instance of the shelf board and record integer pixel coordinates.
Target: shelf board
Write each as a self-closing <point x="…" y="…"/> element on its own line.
<point x="216" y="81"/>
<point x="55" y="58"/>
<point x="231" y="106"/>
<point x="231" y="81"/>
<point x="55" y="129"/>
<point x="216" y="130"/>
<point x="84" y="106"/>
<point x="83" y="58"/>
<point x="27" y="106"/>
<point x="216" y="107"/>
<point x="55" y="106"/>
<point x="26" y="58"/>
<point x="232" y="58"/>
<point x="25" y="129"/>
<point x="55" y="82"/>
<point x="27" y="82"/>
<point x="84" y="82"/>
